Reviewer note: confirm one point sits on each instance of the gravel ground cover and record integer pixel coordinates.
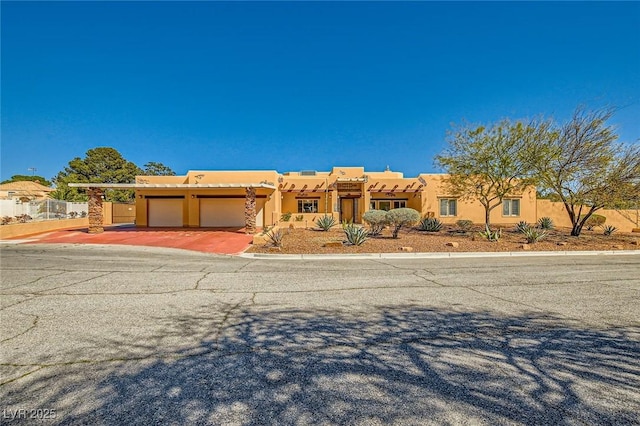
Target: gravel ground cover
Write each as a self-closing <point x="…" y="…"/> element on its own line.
<point x="306" y="241"/>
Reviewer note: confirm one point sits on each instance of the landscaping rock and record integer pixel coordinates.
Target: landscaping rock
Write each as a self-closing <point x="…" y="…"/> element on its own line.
<point x="406" y="248"/>
<point x="275" y="249"/>
<point x="333" y="244"/>
<point x="452" y="244"/>
<point x="563" y="243"/>
<point x="635" y="242"/>
<point x="525" y="247"/>
<point x="618" y="247"/>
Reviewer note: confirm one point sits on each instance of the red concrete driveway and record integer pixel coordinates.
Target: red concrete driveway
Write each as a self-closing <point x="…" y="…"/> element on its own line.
<point x="221" y="241"/>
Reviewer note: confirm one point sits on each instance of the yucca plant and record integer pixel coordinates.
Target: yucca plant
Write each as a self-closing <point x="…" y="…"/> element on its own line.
<point x="430" y="224"/>
<point x="275" y="237"/>
<point x="522" y="226"/>
<point x="609" y="229"/>
<point x="325" y="222"/>
<point x="493" y="236"/>
<point x="533" y="235"/>
<point x="356" y="235"/>
<point x="545" y="223"/>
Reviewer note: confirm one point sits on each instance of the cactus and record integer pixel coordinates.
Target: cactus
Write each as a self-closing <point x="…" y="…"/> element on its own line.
<point x="430" y="224"/>
<point x="609" y="230"/>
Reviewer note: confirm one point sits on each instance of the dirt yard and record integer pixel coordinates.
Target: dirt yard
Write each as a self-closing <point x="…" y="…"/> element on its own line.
<point x="304" y="241"/>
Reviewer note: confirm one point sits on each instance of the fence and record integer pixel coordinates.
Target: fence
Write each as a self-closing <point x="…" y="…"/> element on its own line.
<point x="12" y="211"/>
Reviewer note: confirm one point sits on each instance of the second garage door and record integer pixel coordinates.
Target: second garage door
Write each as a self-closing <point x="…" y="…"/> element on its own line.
<point x="222" y="212"/>
<point x="226" y="212"/>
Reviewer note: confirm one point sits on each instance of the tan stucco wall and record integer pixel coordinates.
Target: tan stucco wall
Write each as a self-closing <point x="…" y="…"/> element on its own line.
<point x="32" y="228"/>
<point x="624" y="220"/>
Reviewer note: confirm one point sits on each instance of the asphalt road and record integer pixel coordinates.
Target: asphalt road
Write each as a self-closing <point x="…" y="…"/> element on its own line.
<point x="114" y="335"/>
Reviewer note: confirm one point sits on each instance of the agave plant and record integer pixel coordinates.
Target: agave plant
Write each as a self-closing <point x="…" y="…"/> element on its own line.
<point x="464" y="224"/>
<point x="325" y="222"/>
<point x="545" y="223"/>
<point x="356" y="235"/>
<point x="275" y="237"/>
<point x="533" y="235"/>
<point x="522" y="226"/>
<point x="430" y="224"/>
<point x="609" y="229"/>
<point x="493" y="236"/>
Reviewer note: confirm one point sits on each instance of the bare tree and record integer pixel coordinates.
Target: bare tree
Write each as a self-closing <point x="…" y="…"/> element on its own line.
<point x="583" y="165"/>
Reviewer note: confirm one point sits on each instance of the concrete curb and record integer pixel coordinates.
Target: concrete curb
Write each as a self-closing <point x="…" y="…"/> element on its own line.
<point x="440" y="255"/>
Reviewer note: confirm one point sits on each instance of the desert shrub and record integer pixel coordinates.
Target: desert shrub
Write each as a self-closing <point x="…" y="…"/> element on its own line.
<point x="493" y="236"/>
<point x="533" y="235"/>
<point x="464" y="224"/>
<point x="522" y="226"/>
<point x="7" y="220"/>
<point x="83" y="214"/>
<point x="285" y="217"/>
<point x="594" y="221"/>
<point x="299" y="218"/>
<point x="398" y="218"/>
<point x="609" y="230"/>
<point x="346" y="223"/>
<point x="73" y="215"/>
<point x="376" y="219"/>
<point x="325" y="222"/>
<point x="430" y="224"/>
<point x="275" y="237"/>
<point x="545" y="223"/>
<point x="356" y="235"/>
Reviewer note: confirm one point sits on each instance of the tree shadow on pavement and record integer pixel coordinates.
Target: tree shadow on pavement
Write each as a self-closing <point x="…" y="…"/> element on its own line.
<point x="394" y="365"/>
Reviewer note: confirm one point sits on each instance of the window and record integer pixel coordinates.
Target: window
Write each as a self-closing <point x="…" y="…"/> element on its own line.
<point x="307" y="206"/>
<point x="510" y="207"/>
<point x="448" y="207"/>
<point x="387" y="205"/>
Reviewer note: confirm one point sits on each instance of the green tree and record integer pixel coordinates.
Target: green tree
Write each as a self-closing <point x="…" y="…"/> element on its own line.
<point x="100" y="165"/>
<point x="490" y="163"/>
<point x="32" y="178"/>
<point x="583" y="165"/>
<point x="157" y="169"/>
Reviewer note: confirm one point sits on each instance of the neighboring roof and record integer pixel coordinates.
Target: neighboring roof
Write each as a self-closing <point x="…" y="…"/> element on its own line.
<point x="170" y="185"/>
<point x="25" y="185"/>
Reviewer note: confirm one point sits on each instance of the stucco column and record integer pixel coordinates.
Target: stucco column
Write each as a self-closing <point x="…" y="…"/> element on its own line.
<point x="95" y="210"/>
<point x="250" y="211"/>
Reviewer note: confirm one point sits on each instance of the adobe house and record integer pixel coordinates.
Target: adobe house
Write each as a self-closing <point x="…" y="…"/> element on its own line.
<point x="255" y="199"/>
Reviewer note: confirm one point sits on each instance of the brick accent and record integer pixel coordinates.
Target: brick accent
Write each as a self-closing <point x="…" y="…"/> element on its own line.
<point x="250" y="211"/>
<point x="95" y="210"/>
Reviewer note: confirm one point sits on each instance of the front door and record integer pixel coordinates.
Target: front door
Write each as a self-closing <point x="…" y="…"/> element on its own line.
<point x="348" y="208"/>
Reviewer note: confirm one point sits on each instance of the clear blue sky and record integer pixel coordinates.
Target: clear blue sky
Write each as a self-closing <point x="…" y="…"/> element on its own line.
<point x="291" y="86"/>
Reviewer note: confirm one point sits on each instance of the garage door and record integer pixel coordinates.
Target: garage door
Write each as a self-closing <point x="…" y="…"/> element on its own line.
<point x="226" y="212"/>
<point x="165" y="212"/>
